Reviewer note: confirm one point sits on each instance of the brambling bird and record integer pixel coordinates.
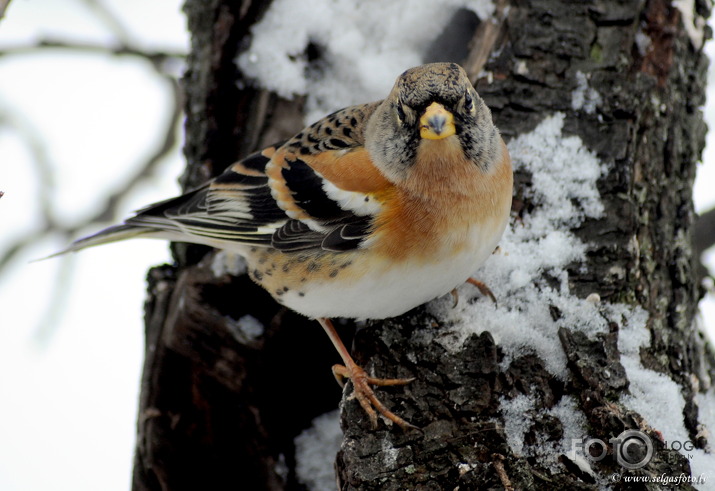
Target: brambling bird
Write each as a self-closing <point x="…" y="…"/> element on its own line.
<point x="367" y="213"/>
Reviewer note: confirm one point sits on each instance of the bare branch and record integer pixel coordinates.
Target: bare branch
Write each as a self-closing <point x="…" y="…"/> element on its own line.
<point x="704" y="237"/>
<point x="3" y="7"/>
<point x="58" y="300"/>
<point x="156" y="58"/>
<point x="483" y="41"/>
<point x="168" y="142"/>
<point x="19" y="245"/>
<point x="109" y="211"/>
<point x="41" y="160"/>
<point x="110" y="20"/>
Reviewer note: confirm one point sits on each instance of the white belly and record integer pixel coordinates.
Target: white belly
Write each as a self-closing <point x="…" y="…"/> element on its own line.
<point x="390" y="289"/>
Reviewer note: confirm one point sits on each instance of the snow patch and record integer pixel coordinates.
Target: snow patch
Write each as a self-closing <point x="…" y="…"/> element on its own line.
<point x="520" y="414"/>
<point x="315" y="451"/>
<point x="517" y="420"/>
<point x="247" y="329"/>
<point x="363" y="47"/>
<point x="584" y="97"/>
<point x="225" y="262"/>
<point x="659" y="400"/>
<point x="694" y="24"/>
<point x="643" y="42"/>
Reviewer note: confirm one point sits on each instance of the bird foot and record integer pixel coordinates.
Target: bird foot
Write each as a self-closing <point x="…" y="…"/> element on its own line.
<point x="366" y="396"/>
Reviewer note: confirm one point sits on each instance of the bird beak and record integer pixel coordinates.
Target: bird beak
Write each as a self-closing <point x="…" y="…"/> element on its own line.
<point x="436" y="122"/>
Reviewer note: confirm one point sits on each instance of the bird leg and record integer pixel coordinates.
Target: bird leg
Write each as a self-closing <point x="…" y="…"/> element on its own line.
<point x="362" y="382"/>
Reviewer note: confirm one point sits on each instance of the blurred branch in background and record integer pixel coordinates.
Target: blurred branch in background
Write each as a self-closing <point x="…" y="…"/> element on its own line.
<point x="167" y="65"/>
<point x="703" y="239"/>
<point x="44" y="169"/>
<point x="704" y="231"/>
<point x="164" y="62"/>
<point x="3" y="7"/>
<point x="104" y="14"/>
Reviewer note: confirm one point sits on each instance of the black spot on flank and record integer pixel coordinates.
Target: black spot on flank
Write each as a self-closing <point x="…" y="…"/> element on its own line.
<point x="301" y="294"/>
<point x="286" y="268"/>
<point x="279" y="292"/>
<point x="367" y="198"/>
<point x="263" y="260"/>
<point x="345" y="264"/>
<point x="302" y="280"/>
<point x="313" y="267"/>
<point x="312" y="139"/>
<point x="304" y="150"/>
<point x="334" y="273"/>
<point x="328" y="130"/>
<point x="257" y="275"/>
<point x="353" y="122"/>
<point x="347" y="131"/>
<point x="286" y="289"/>
<point x="338" y="143"/>
<point x="299" y="136"/>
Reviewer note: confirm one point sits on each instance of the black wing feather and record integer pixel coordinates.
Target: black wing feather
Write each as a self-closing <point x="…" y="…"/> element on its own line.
<point x="231" y="207"/>
<point x="348" y="236"/>
<point x="308" y="192"/>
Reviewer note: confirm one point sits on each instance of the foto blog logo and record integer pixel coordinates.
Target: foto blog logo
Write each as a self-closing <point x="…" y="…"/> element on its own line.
<point x="632" y="449"/>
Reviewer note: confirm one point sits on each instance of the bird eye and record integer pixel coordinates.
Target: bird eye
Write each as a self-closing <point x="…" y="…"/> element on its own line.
<point x="400" y="112"/>
<point x="468" y="102"/>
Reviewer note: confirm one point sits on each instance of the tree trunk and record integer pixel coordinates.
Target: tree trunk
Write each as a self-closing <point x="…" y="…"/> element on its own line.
<point x="504" y="399"/>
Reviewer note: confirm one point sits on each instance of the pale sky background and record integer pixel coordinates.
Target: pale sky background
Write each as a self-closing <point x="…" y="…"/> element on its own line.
<point x="69" y="397"/>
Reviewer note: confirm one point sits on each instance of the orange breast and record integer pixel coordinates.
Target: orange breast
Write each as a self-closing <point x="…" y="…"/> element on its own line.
<point x="444" y="197"/>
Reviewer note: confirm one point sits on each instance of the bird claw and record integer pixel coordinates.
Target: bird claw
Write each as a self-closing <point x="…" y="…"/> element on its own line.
<point x="366" y="396"/>
<point x="455" y="298"/>
<point x="483" y="289"/>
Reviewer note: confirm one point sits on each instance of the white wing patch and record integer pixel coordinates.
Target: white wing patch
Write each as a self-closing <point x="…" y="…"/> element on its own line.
<point x="359" y="203"/>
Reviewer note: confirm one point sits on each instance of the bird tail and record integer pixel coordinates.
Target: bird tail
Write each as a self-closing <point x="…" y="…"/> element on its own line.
<point x="110" y="234"/>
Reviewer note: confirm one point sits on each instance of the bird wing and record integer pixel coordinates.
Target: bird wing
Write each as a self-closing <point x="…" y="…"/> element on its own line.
<point x="235" y="206"/>
<point x="317" y="191"/>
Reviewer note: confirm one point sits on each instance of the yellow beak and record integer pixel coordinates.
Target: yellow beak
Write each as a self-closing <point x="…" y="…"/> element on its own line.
<point x="436" y="122"/>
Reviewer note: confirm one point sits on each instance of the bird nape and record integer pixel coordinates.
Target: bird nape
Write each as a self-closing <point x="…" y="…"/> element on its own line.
<point x="367" y="213"/>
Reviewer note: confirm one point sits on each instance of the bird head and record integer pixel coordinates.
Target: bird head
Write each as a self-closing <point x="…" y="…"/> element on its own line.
<point x="430" y="105"/>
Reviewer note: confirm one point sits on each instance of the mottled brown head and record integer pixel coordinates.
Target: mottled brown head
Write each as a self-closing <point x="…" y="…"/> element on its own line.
<point x="430" y="102"/>
<point x="435" y="82"/>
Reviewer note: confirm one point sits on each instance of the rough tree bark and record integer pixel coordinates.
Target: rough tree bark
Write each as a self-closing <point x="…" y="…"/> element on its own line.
<point x="218" y="411"/>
